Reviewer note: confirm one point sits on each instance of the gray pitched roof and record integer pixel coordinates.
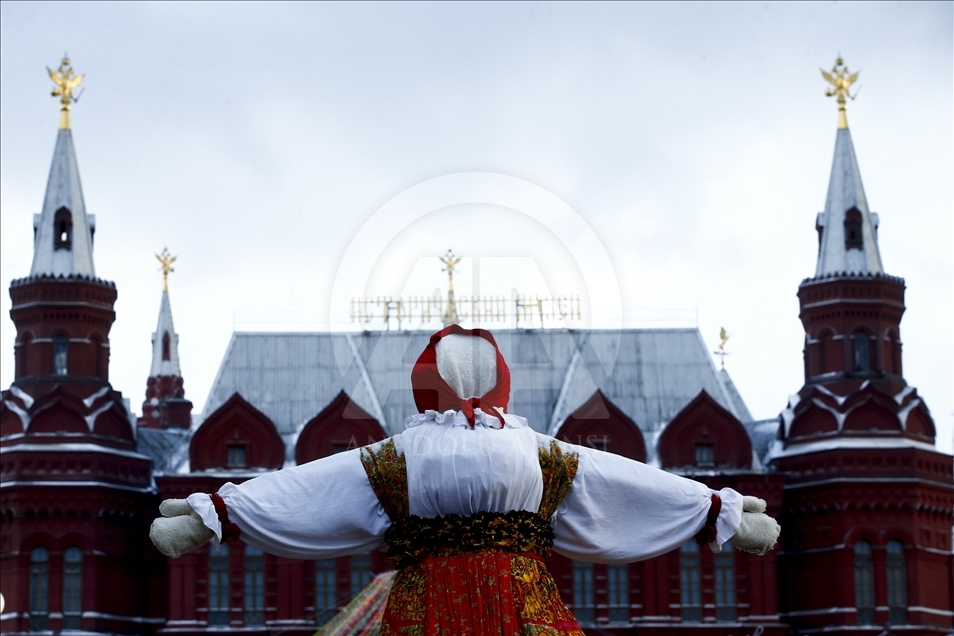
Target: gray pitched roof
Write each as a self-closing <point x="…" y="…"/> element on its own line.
<point x="739" y="408"/>
<point x="168" y="448"/>
<point x="762" y="433"/>
<point x="291" y="377"/>
<point x="63" y="189"/>
<point x="845" y="191"/>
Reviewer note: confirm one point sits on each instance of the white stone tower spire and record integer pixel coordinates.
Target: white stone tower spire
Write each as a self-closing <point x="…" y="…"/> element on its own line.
<point x="847" y="229"/>
<point x="63" y="232"/>
<point x="165" y="343"/>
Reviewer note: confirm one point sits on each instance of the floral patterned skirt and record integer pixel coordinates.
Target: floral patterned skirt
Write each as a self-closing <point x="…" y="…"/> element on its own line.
<point x="484" y="593"/>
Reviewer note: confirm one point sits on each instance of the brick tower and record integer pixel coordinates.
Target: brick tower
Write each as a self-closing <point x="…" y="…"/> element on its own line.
<point x="868" y="499"/>
<point x="76" y="495"/>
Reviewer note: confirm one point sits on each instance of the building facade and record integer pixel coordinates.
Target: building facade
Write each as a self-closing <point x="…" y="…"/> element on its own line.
<point x="850" y="467"/>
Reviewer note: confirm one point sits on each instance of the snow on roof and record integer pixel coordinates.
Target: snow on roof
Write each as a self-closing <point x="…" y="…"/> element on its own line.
<point x="842" y="442"/>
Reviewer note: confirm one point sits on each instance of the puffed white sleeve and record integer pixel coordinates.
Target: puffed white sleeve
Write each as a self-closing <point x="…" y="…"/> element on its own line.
<point x="323" y="509"/>
<point x="619" y="510"/>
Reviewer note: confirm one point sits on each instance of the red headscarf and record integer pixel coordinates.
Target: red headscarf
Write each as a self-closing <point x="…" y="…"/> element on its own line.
<point x="432" y="392"/>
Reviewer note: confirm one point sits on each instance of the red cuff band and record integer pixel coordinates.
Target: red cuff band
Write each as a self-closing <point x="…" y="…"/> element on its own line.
<point x="708" y="533"/>
<point x="229" y="530"/>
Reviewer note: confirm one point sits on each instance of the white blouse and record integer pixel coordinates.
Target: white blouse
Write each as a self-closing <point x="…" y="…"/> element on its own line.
<point x="617" y="510"/>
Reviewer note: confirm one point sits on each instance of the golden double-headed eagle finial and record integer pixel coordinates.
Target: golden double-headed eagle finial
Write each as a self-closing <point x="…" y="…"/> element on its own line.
<point x="165" y="262"/>
<point x="66" y="85"/>
<point x="841" y="80"/>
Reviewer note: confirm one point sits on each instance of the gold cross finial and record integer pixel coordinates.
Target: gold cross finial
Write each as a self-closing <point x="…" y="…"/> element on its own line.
<point x="166" y="260"/>
<point x="841" y="82"/>
<point x="66" y="84"/>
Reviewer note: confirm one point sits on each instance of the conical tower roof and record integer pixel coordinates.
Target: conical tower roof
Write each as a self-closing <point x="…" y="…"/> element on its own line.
<point x="63" y="233"/>
<point x="165" y="343"/>
<point x="848" y="241"/>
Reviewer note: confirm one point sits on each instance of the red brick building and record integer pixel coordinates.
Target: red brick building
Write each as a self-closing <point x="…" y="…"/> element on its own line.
<point x="850" y="467"/>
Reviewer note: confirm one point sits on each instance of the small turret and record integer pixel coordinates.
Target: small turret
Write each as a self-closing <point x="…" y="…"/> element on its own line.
<point x="165" y="403"/>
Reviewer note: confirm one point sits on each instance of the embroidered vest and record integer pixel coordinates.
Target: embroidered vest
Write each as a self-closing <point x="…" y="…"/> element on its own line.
<point x="411" y="539"/>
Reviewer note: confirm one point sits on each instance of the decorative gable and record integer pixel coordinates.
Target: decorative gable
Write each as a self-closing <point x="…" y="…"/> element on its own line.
<point x="705" y="435"/>
<point x="866" y="412"/>
<point x="600" y="424"/>
<point x="11" y="422"/>
<point x="62" y="416"/>
<point x="342" y="425"/>
<point x="237" y="436"/>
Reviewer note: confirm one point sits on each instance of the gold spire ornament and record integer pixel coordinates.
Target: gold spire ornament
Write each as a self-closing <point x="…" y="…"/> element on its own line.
<point x="721" y="352"/>
<point x="841" y="80"/>
<point x="450" y="313"/>
<point x="66" y="84"/>
<point x="166" y="260"/>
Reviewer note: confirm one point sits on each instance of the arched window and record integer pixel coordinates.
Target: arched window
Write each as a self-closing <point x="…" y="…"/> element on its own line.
<point x="360" y="572"/>
<point x="39" y="589"/>
<point x="853" y="229"/>
<point x="618" y="588"/>
<point x="72" y="588"/>
<point x="862" y="362"/>
<point x="165" y="345"/>
<point x="63" y="229"/>
<point x="254" y="586"/>
<point x="326" y="603"/>
<point x="219" y="586"/>
<point x="689" y="577"/>
<point x="584" y="605"/>
<point x="725" y="584"/>
<point x="897" y="584"/>
<point x="60" y="355"/>
<point x="864" y="583"/>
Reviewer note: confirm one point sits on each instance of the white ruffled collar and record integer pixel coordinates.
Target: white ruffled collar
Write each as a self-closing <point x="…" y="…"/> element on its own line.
<point x="459" y="419"/>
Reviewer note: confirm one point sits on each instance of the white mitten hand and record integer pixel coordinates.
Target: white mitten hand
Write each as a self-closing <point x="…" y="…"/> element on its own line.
<point x="179" y="530"/>
<point x="175" y="507"/>
<point x="758" y="531"/>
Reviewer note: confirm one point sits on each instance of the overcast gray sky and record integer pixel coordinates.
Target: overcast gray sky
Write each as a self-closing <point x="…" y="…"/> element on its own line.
<point x="695" y="140"/>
